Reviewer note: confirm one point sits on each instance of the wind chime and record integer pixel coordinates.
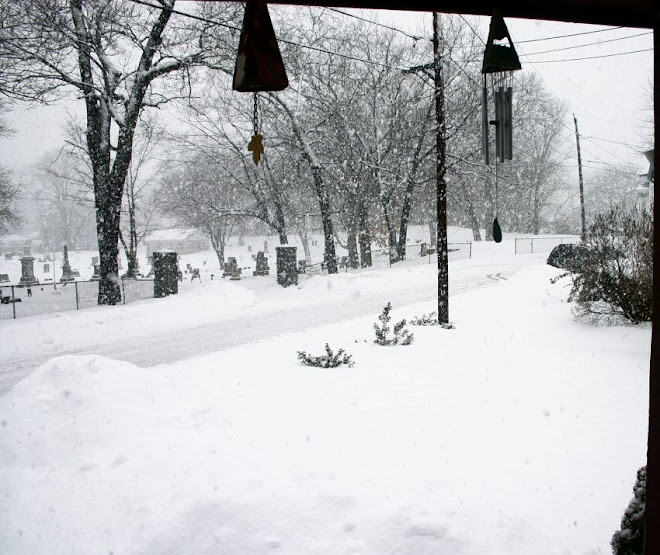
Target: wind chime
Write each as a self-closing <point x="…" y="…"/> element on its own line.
<point x="500" y="61"/>
<point x="259" y="66"/>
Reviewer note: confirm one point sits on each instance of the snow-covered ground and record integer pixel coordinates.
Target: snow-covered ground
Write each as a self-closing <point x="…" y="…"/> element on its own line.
<point x="517" y="432"/>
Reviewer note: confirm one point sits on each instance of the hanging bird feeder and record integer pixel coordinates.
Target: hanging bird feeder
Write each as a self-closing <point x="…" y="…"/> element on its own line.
<point x="259" y="66"/>
<point x="500" y="61"/>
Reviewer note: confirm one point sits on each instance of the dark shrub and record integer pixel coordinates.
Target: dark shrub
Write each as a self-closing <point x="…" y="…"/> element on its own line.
<point x="629" y="540"/>
<point x="615" y="277"/>
<point x="568" y="256"/>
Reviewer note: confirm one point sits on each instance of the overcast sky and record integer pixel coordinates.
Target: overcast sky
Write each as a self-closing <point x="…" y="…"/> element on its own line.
<point x="609" y="95"/>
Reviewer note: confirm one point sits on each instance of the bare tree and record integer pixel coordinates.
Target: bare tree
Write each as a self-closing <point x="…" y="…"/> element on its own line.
<point x="66" y="205"/>
<point x="119" y="58"/>
<point x="9" y="188"/>
<point x="201" y="196"/>
<point x="219" y="124"/>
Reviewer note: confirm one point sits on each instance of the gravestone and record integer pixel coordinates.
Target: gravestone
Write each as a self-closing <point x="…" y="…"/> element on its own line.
<point x="287" y="270"/>
<point x="46" y="268"/>
<point x="97" y="272"/>
<point x="231" y="267"/>
<point x="27" y="271"/>
<point x="424" y="250"/>
<point x="4" y="278"/>
<point x="165" y="273"/>
<point x="67" y="274"/>
<point x="261" y="267"/>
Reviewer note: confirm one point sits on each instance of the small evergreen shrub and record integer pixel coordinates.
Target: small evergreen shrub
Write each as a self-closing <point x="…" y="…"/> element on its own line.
<point x="629" y="540"/>
<point x="401" y="336"/>
<point x="615" y="274"/>
<point x="328" y="360"/>
<point x="425" y="320"/>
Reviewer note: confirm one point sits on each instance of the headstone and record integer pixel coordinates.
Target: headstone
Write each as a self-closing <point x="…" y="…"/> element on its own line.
<point x="46" y="268"/>
<point x="67" y="275"/>
<point x="4" y="278"/>
<point x="249" y="248"/>
<point x="231" y="267"/>
<point x="165" y="273"/>
<point x="9" y="256"/>
<point x="261" y="268"/>
<point x="97" y="272"/>
<point x="287" y="271"/>
<point x="95" y="260"/>
<point x="424" y="250"/>
<point x="27" y="271"/>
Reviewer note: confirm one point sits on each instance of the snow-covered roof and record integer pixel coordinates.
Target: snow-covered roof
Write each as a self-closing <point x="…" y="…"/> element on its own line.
<point x="13" y="238"/>
<point x="173" y="235"/>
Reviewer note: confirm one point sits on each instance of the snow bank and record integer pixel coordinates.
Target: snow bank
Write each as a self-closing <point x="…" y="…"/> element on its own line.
<point x="518" y="432"/>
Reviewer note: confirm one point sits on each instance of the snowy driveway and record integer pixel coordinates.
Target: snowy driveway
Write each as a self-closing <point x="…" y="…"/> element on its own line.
<point x="190" y="327"/>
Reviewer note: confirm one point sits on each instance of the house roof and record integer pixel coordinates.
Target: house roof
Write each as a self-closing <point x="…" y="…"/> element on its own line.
<point x="176" y="234"/>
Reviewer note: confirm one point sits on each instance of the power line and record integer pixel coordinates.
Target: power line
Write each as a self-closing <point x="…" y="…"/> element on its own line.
<point x="285" y="41"/>
<point x="591" y="57"/>
<point x="413" y="37"/>
<point x="616" y="122"/>
<point x="615" y="142"/>
<point x="571" y="35"/>
<point x="589" y="44"/>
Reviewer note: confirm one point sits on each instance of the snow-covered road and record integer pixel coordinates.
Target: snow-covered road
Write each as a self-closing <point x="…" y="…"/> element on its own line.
<point x="274" y="313"/>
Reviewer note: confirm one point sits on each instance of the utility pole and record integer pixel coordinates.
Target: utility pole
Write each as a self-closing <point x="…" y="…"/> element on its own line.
<point x="441" y="167"/>
<point x="583" y="217"/>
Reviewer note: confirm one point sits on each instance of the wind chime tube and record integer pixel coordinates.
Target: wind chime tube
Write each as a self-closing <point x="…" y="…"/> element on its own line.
<point x="508" y="124"/>
<point x="484" y="123"/>
<point x="499" y="123"/>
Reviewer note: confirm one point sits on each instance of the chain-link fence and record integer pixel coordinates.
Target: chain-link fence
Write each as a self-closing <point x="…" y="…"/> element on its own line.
<point x="531" y="245"/>
<point x="19" y="301"/>
<point x="416" y="254"/>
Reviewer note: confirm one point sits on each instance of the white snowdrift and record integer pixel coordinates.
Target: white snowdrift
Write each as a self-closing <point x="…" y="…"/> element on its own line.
<point x="518" y="432"/>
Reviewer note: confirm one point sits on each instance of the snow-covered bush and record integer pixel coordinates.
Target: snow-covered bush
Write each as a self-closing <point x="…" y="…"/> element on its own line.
<point x="616" y="277"/>
<point x="629" y="540"/>
<point x="328" y="360"/>
<point x="401" y="336"/>
<point x="425" y="320"/>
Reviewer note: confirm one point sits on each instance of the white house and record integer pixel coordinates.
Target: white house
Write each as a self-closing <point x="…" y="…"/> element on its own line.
<point x="183" y="241"/>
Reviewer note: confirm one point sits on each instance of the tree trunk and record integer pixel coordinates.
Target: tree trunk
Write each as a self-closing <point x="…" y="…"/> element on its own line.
<point x="353" y="259"/>
<point x="329" y="254"/>
<point x="536" y="217"/>
<point x="391" y="232"/>
<point x="280" y="222"/>
<point x="364" y="236"/>
<point x="219" y="248"/>
<point x="433" y="234"/>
